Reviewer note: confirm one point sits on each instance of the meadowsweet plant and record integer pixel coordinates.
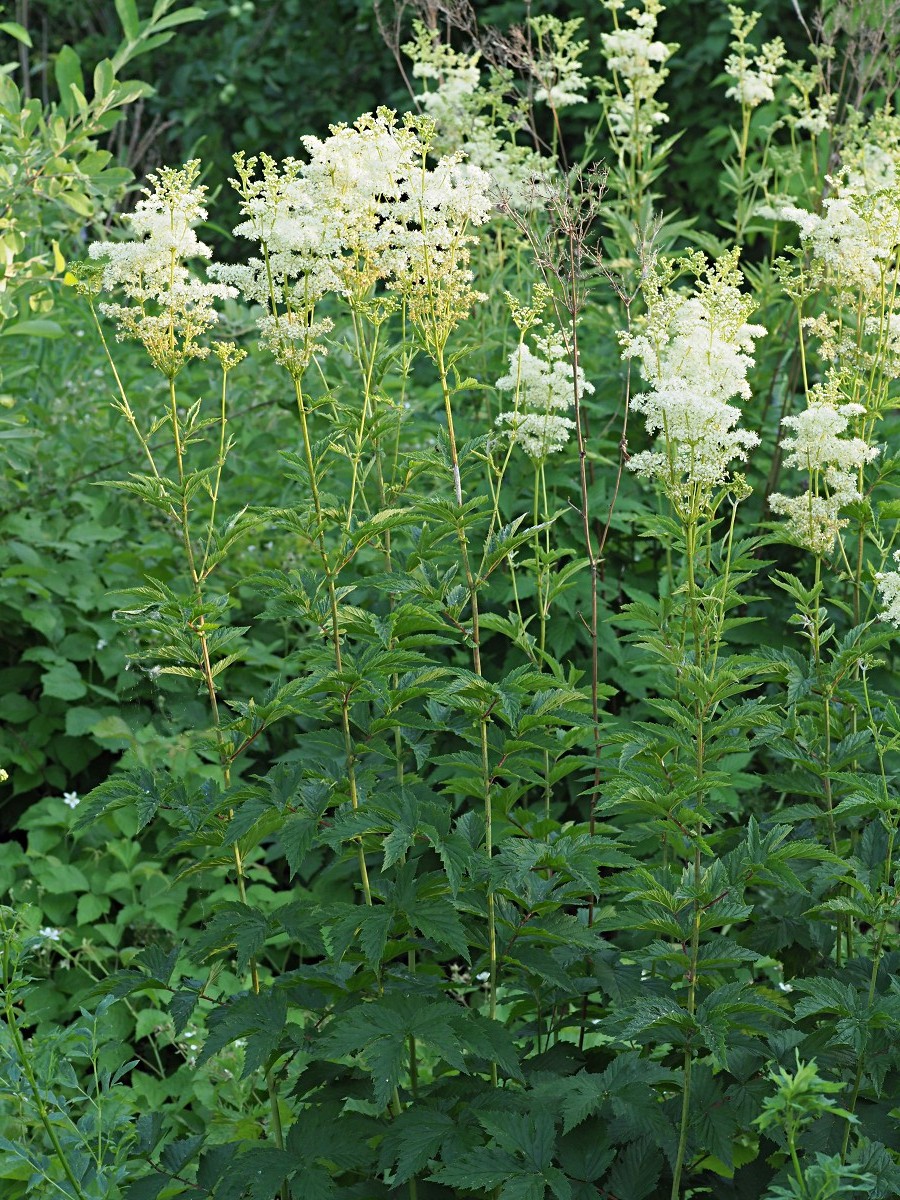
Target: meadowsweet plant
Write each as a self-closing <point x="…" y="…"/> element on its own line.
<point x="635" y="70"/>
<point x="528" y="824"/>
<point x="754" y="78"/>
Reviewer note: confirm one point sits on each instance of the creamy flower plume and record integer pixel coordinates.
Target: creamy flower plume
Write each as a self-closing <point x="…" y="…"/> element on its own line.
<point x="636" y="60"/>
<point x="543" y="388"/>
<point x="557" y="63"/>
<point x="480" y="117"/>
<point x="856" y="236"/>
<point x="365" y="209"/>
<point x="172" y="308"/>
<point x="754" y="75"/>
<point x="832" y="461"/>
<point x="694" y="350"/>
<point x="889" y="588"/>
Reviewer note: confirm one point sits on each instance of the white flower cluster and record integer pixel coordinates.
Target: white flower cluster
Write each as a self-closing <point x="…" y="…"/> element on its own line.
<point x="364" y="209"/>
<point x="543" y="386"/>
<point x="479" y="120"/>
<point x="889" y="587"/>
<point x="813" y="107"/>
<point x="856" y="236"/>
<point x="557" y="65"/>
<point x="694" y="350"/>
<point x="172" y="308"/>
<point x="832" y="461"/>
<point x="636" y="61"/>
<point x="754" y="75"/>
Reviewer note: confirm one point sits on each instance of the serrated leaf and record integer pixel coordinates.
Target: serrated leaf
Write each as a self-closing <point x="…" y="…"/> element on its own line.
<point x="256" y="1174"/>
<point x="297" y="836"/>
<point x="179" y="1153"/>
<point x="259" y="1018"/>
<point x="413" y="1139"/>
<point x="181" y="1007"/>
<point x="636" y="1171"/>
<point x="439" y="920"/>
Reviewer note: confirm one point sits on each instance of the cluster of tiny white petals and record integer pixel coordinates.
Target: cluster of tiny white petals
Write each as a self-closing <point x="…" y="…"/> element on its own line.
<point x="815" y="119"/>
<point x="172" y="309"/>
<point x="885" y="329"/>
<point x="292" y="339"/>
<point x="811" y="521"/>
<point x="694" y="350"/>
<point x="468" y="116"/>
<point x="637" y="62"/>
<point x="754" y="75"/>
<point x="365" y="209"/>
<point x="539" y="434"/>
<point x="557" y="65"/>
<point x="818" y="445"/>
<point x="543" y="386"/>
<point x="811" y="107"/>
<point x="889" y="587"/>
<point x="632" y="53"/>
<point x="856" y="235"/>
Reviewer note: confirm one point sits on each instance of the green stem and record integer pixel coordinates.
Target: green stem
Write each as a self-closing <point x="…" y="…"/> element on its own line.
<point x="476" y="662"/>
<point x="335" y="633"/>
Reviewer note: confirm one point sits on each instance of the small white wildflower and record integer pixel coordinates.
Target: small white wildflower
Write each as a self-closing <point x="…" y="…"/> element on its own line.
<point x="71" y="799"/>
<point x="539" y="434"/>
<point x="171" y="309"/>
<point x="637" y="62"/>
<point x="889" y="587"/>
<point x="483" y="976"/>
<point x="755" y="77"/>
<point x="49" y="934"/>
<point x="101" y="643"/>
<point x="832" y="462"/>
<point x="855" y="237"/>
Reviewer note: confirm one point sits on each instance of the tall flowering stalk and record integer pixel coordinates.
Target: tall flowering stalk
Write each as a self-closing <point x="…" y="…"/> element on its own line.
<point x="170" y="311"/>
<point x="633" y="112"/>
<point x="369" y="209"/>
<point x="694" y="349"/>
<point x="433" y="277"/>
<point x="754" y="76"/>
<point x="543" y="386"/>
